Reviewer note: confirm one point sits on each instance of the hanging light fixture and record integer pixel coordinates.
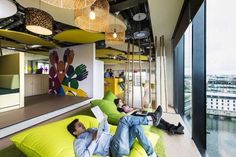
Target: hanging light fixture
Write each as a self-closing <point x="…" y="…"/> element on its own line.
<point x="141" y="34"/>
<point x="7" y="8"/>
<point x="38" y="21"/>
<point x="70" y="4"/>
<point x="94" y="18"/>
<point x="115" y="34"/>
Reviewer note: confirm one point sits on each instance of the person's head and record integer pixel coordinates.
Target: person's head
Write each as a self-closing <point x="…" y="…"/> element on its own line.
<point x="108" y="70"/>
<point x="118" y="102"/>
<point x="76" y="128"/>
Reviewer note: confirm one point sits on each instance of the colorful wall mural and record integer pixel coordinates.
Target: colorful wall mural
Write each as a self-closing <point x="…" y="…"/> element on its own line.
<point x="71" y="71"/>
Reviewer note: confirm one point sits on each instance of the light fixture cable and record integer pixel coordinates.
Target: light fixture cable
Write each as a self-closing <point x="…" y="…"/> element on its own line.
<point x="115" y="33"/>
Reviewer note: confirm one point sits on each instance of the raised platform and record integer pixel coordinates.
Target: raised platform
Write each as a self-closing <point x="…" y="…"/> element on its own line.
<point x="38" y="109"/>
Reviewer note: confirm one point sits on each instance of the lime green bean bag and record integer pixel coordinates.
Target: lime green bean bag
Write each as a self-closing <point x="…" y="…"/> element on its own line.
<point x="108" y="106"/>
<point x="109" y="96"/>
<point x="53" y="140"/>
<point x="110" y="109"/>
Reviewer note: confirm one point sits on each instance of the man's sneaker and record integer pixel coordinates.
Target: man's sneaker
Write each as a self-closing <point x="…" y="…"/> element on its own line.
<point x="157" y="116"/>
<point x="177" y="129"/>
<point x="171" y="128"/>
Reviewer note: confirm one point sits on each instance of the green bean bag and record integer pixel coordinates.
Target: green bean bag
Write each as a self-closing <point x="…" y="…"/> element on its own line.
<point x="53" y="140"/>
<point x="109" y="108"/>
<point x="109" y="96"/>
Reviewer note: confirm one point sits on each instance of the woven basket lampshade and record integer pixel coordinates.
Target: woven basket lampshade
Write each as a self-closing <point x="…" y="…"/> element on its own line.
<point x="38" y="21"/>
<point x="115" y="34"/>
<point x="70" y="4"/>
<point x="94" y="18"/>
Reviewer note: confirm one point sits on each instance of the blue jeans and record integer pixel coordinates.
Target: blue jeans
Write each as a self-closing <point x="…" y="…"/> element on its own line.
<point x="128" y="129"/>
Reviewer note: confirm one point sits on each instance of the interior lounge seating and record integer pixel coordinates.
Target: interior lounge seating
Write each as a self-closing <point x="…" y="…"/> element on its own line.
<point x="54" y="140"/>
<point x="62" y="59"/>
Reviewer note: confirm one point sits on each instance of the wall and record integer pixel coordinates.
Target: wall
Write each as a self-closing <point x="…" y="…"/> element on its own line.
<point x="22" y="79"/>
<point x="36" y="84"/>
<point x="98" y="80"/>
<point x="71" y="70"/>
<point x="170" y="73"/>
<point x="9" y="64"/>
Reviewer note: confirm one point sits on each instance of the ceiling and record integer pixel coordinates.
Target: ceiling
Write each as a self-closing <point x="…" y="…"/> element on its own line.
<point x="164" y="16"/>
<point x="161" y="19"/>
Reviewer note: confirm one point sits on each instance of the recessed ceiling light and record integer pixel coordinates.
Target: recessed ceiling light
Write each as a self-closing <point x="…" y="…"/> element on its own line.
<point x="148" y="47"/>
<point x="139" y="17"/>
<point x="11" y="48"/>
<point x="34" y="46"/>
<point x="141" y="34"/>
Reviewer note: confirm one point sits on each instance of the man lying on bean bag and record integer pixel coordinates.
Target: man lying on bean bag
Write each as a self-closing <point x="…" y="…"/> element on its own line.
<point x="129" y="128"/>
<point x="171" y="128"/>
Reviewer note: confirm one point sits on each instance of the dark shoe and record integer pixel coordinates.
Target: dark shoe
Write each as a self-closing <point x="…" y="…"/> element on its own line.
<point x="157" y="116"/>
<point x="171" y="128"/>
<point x="180" y="126"/>
<point x="177" y="129"/>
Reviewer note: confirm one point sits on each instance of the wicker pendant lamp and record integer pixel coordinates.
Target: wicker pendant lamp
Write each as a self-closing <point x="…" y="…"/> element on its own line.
<point x="94" y="18"/>
<point x="38" y="21"/>
<point x="115" y="34"/>
<point x="70" y="4"/>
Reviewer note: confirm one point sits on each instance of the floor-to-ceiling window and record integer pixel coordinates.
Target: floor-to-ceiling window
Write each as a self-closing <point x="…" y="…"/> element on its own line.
<point x="221" y="78"/>
<point x="190" y="70"/>
<point x="179" y="77"/>
<point x="188" y="77"/>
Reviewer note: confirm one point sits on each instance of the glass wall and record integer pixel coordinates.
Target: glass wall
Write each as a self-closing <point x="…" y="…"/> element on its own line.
<point x="43" y="66"/>
<point x="179" y="77"/>
<point x="36" y="64"/>
<point x="188" y="77"/>
<point x="221" y="78"/>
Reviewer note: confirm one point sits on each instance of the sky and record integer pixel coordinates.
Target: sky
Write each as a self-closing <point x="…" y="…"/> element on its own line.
<point x="188" y="50"/>
<point x="221" y="34"/>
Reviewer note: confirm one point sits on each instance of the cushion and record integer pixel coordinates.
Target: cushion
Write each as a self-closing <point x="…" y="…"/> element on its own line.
<point x="9" y="81"/>
<point x="109" y="108"/>
<point x="53" y="140"/>
<point x="105" y="105"/>
<point x="109" y="96"/>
